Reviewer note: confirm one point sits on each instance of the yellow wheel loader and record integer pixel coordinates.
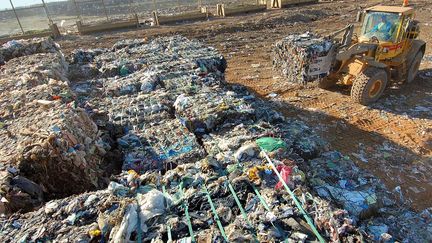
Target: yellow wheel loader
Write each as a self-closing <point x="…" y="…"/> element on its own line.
<point x="386" y="50"/>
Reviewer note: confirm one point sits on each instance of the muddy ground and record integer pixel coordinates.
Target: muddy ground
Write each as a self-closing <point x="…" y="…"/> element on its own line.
<point x="392" y="138"/>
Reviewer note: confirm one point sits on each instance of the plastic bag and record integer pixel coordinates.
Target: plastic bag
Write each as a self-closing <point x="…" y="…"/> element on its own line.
<point x="285" y="172"/>
<point x="269" y="144"/>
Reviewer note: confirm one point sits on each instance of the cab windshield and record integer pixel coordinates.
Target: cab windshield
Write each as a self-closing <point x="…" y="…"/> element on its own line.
<point x="381" y="25"/>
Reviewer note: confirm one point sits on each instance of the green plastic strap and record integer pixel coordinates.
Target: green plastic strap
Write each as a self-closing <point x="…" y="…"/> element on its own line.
<point x="241" y="208"/>
<point x="294" y="198"/>
<point x="139" y="223"/>
<point x="263" y="202"/>
<point x="168" y="225"/>
<point x="216" y="217"/>
<point x="189" y="223"/>
<point x="238" y="203"/>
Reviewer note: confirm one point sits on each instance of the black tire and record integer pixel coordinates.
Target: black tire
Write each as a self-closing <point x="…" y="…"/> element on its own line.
<point x="414" y="67"/>
<point x="369" y="86"/>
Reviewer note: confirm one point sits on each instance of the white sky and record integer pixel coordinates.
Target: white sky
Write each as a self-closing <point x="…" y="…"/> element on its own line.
<point x="18" y="3"/>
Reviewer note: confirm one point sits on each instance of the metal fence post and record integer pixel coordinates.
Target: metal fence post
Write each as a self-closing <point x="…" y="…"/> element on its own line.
<point x="46" y="12"/>
<point x="16" y="15"/>
<point x="77" y="12"/>
<point x="105" y="10"/>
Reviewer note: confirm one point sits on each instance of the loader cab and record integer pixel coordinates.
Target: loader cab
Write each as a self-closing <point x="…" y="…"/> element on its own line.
<point x="387" y="27"/>
<point x="381" y="26"/>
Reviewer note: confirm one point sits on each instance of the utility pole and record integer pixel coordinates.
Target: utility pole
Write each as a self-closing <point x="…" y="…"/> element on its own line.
<point x="77" y="12"/>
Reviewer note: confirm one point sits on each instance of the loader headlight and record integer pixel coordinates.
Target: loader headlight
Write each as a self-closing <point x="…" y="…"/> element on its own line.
<point x="385" y="50"/>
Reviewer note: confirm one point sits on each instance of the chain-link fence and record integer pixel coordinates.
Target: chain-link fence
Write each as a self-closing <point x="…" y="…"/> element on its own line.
<point x="9" y="25"/>
<point x="20" y="17"/>
<point x="23" y="17"/>
<point x="63" y="13"/>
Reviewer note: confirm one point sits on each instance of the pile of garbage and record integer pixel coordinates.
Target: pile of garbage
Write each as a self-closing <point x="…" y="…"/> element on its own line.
<point x="303" y="58"/>
<point x="201" y="161"/>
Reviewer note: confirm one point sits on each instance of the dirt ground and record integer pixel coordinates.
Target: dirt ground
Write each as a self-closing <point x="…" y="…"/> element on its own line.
<point x="392" y="138"/>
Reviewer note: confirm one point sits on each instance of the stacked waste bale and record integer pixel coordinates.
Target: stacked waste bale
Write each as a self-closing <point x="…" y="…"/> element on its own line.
<point x="49" y="148"/>
<point x="159" y="147"/>
<point x="210" y="108"/>
<point x="172" y="53"/>
<point x="81" y="64"/>
<point x="18" y="48"/>
<point x="139" y="110"/>
<point x="303" y="58"/>
<point x="342" y="181"/>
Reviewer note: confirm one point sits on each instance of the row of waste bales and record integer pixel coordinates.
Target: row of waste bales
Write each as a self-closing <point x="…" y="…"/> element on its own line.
<point x="205" y="161"/>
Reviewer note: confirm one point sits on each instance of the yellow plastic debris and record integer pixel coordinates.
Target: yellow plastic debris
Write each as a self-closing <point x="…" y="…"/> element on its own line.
<point x="95" y="233"/>
<point x="253" y="173"/>
<point x="132" y="172"/>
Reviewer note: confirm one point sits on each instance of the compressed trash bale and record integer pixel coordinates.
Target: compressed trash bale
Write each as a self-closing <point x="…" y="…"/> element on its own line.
<point x="303" y="140"/>
<point x="226" y="142"/>
<point x="159" y="146"/>
<point x="170" y="50"/>
<point x="177" y="59"/>
<point x="100" y="215"/>
<point x="81" y="64"/>
<point x="15" y="102"/>
<point x="141" y="81"/>
<point x="56" y="146"/>
<point x="82" y="56"/>
<point x="62" y="219"/>
<point x="337" y="178"/>
<point x="30" y="71"/>
<point x="17" y="48"/>
<point x="138" y="111"/>
<point x="203" y="112"/>
<point x="263" y="110"/>
<point x="174" y="143"/>
<point x="129" y="43"/>
<point x="18" y="192"/>
<point x="303" y="58"/>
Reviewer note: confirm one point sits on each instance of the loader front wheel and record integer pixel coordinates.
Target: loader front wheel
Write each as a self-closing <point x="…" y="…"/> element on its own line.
<point x="369" y="86"/>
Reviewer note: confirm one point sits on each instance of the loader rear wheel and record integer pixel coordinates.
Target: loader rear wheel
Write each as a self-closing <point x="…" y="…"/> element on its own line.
<point x="415" y="65"/>
<point x="369" y="86"/>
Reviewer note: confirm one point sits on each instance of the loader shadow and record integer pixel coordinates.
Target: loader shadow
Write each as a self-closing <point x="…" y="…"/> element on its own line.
<point x="397" y="168"/>
<point x="407" y="99"/>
